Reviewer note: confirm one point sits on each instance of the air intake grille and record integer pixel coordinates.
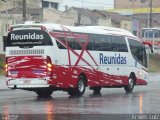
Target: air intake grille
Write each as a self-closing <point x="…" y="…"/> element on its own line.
<point x="26" y="52"/>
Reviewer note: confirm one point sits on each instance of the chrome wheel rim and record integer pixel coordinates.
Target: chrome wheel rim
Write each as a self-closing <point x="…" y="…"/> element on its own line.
<point x="81" y="86"/>
<point x="131" y="83"/>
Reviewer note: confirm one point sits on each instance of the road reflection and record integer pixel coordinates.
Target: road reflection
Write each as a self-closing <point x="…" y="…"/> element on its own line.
<point x="90" y="106"/>
<point x="140" y="103"/>
<point x="50" y="110"/>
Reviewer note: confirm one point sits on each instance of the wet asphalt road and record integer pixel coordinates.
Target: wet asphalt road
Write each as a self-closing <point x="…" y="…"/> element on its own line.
<point x="112" y="103"/>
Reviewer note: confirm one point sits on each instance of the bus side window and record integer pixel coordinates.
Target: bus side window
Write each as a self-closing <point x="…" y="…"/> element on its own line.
<point x="102" y="43"/>
<point x="90" y="45"/>
<point x="61" y="46"/>
<point x="82" y="41"/>
<point x="119" y="44"/>
<point x="71" y="42"/>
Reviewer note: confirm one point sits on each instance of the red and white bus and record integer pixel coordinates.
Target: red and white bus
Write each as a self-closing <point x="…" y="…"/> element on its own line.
<point x="47" y="57"/>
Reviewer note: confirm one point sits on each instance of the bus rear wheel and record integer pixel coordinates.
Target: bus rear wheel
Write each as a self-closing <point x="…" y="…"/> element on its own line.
<point x="96" y="90"/>
<point x="44" y="92"/>
<point x="80" y="89"/>
<point x="131" y="82"/>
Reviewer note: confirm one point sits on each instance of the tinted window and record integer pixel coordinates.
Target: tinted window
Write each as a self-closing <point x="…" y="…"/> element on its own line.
<point x="70" y="41"/>
<point x="90" y="45"/>
<point x="54" y="5"/>
<point x="138" y="51"/>
<point x="61" y="42"/>
<point x="119" y="44"/>
<point x="31" y="38"/>
<point x="45" y="4"/>
<point x="73" y="43"/>
<point x="96" y="42"/>
<point x="102" y="43"/>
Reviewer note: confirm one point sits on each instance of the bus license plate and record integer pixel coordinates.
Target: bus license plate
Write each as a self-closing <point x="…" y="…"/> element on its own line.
<point x="27" y="82"/>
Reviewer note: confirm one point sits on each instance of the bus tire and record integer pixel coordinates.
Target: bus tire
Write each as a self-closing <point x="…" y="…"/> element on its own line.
<point x="71" y="92"/>
<point x="44" y="92"/>
<point x="96" y="90"/>
<point x="81" y="86"/>
<point x="131" y="82"/>
<point x="80" y="89"/>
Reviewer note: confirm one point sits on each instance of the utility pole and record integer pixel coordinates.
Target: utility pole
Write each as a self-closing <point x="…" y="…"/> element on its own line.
<point x="79" y="19"/>
<point x="150" y="14"/>
<point x="24" y="10"/>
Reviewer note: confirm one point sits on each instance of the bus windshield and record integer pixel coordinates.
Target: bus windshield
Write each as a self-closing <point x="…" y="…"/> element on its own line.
<point x="28" y="38"/>
<point x="138" y="51"/>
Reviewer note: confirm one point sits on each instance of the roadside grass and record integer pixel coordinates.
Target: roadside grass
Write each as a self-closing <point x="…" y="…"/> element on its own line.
<point x="154" y="63"/>
<point x="2" y="64"/>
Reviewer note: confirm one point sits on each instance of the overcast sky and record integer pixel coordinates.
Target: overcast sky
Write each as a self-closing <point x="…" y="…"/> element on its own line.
<point x="92" y="4"/>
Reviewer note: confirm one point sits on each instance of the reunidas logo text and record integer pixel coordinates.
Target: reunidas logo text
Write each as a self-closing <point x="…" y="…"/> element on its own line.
<point x="28" y="36"/>
<point x="114" y="59"/>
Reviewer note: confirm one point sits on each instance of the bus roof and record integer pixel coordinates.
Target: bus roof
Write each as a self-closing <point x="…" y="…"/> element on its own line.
<point x="83" y="29"/>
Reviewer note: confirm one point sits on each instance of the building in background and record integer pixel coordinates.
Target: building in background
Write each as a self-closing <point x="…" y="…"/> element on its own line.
<point x="51" y="4"/>
<point x="143" y="13"/>
<point x="9" y="4"/>
<point x="82" y="16"/>
<point x="11" y="12"/>
<point x="48" y="11"/>
<point x="113" y="19"/>
<point x="147" y="12"/>
<point x="127" y="4"/>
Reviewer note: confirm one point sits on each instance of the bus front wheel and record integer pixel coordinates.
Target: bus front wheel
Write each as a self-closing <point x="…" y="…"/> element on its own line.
<point x="44" y="92"/>
<point x="131" y="82"/>
<point x="80" y="89"/>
